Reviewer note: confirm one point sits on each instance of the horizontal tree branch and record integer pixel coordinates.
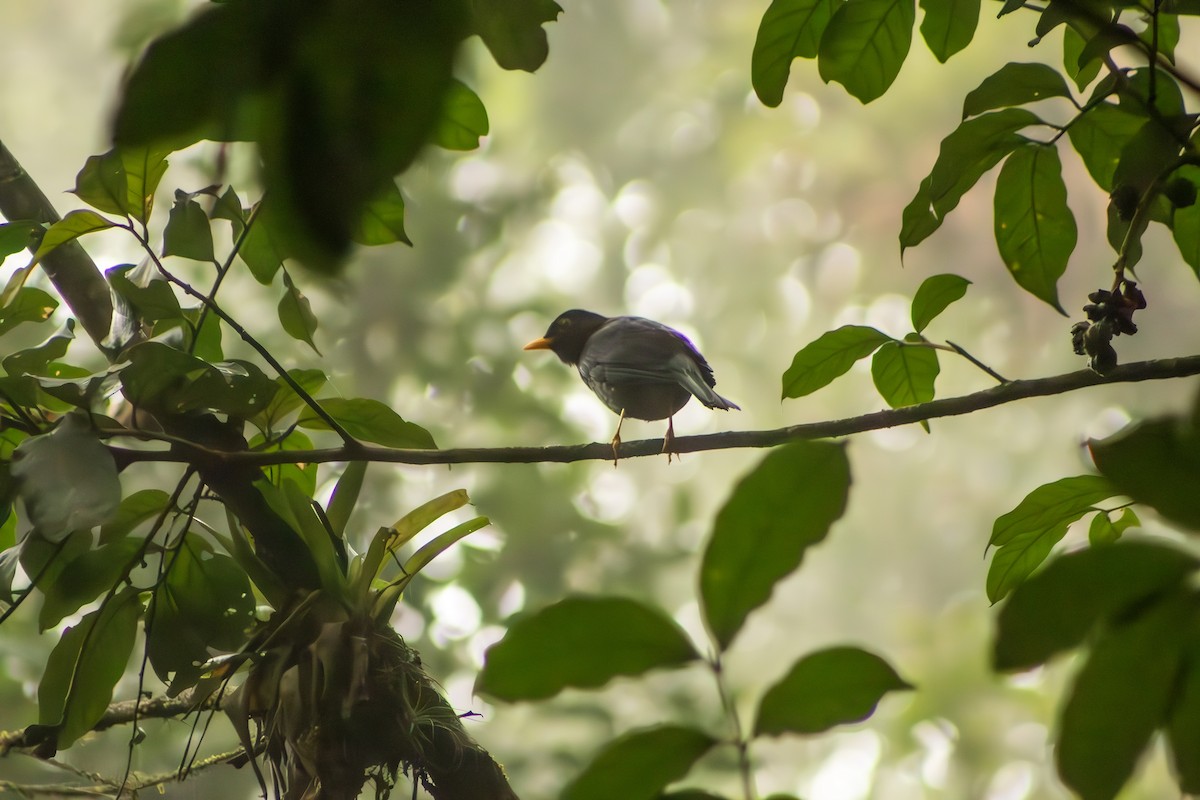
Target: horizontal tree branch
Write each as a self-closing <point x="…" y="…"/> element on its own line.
<point x="1160" y="369"/>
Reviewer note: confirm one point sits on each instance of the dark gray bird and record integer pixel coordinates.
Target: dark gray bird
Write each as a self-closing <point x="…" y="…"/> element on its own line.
<point x="639" y="368"/>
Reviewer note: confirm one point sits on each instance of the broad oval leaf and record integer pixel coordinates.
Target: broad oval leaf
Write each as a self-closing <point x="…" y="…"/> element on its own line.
<point x="830" y="356"/>
<point x="383" y="220"/>
<point x="865" y="44"/>
<point x="296" y="315"/>
<point x="85" y="665"/>
<point x="84" y="579"/>
<point x="790" y="29"/>
<point x="1015" y="84"/>
<point x="830" y="687"/>
<point x="28" y="304"/>
<point x="464" y="119"/>
<point x="782" y="507"/>
<point x="904" y="373"/>
<point x="934" y="296"/>
<point x="581" y="642"/>
<point x="640" y="764"/>
<point x="1186" y="221"/>
<point x="1026" y="534"/>
<point x="188" y="233"/>
<point x="1155" y="462"/>
<point x="67" y="479"/>
<point x="69" y="228"/>
<point x="1056" y="609"/>
<point x="1099" y="134"/>
<point x="973" y="148"/>
<point x="1120" y="696"/>
<point x="1035" y="229"/>
<point x="371" y="421"/>
<point x="949" y="25"/>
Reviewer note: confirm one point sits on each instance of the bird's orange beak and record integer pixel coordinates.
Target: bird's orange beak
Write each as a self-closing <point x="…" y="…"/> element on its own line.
<point x="539" y="344"/>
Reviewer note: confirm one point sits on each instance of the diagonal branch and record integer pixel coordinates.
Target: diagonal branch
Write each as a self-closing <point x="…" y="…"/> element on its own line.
<point x="1160" y="369"/>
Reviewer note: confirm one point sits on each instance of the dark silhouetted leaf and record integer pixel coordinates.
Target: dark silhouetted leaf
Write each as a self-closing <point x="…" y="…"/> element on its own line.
<point x="581" y="642"/>
<point x="865" y="44"/>
<point x="383" y="222"/>
<point x="1183" y="728"/>
<point x="790" y="29"/>
<point x="640" y="764"/>
<point x="149" y="295"/>
<point x="934" y="295"/>
<point x="84" y="579"/>
<point x="34" y="360"/>
<point x="188" y="233"/>
<point x="829" y="357"/>
<point x="1056" y="609"/>
<point x="16" y="236"/>
<point x="826" y="688"/>
<point x="1026" y="534"/>
<point x="949" y="25"/>
<point x="513" y="31"/>
<point x="782" y="507"/>
<point x="1186" y="223"/>
<point x="1035" y="229"/>
<point x="1120" y="697"/>
<point x="295" y="314"/>
<point x="1156" y="462"/>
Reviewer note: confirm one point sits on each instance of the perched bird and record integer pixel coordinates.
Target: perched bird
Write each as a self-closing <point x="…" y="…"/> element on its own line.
<point x="638" y="367"/>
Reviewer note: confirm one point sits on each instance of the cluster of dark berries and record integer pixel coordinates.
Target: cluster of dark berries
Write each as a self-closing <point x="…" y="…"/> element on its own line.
<point x="1109" y="314"/>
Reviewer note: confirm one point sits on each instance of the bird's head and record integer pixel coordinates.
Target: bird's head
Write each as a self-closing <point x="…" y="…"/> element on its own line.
<point x="568" y="334"/>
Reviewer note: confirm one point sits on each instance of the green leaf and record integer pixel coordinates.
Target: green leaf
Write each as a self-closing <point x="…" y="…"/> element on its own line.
<point x="68" y="479"/>
<point x="261" y="251"/>
<point x="1099" y="135"/>
<point x="1183" y="728"/>
<point x="581" y="642"/>
<point x="188" y="233"/>
<point x="1073" y="45"/>
<point x="904" y="373"/>
<point x="1015" y="84"/>
<point x="640" y="764"/>
<point x="1156" y="462"/>
<point x="865" y="44"/>
<point x="29" y="304"/>
<point x="345" y="496"/>
<point x="17" y="236"/>
<point x="1104" y="530"/>
<point x="464" y="119"/>
<point x="934" y="295"/>
<point x="295" y="314"/>
<point x="303" y="474"/>
<point x="81" y="580"/>
<point x="977" y="145"/>
<point x="149" y="295"/>
<point x="1056" y="609"/>
<point x="139" y="507"/>
<point x="512" y="30"/>
<point x="385" y="603"/>
<point x="830" y="687"/>
<point x="949" y="25"/>
<point x="122" y="181"/>
<point x="1026" y="534"/>
<point x="383" y="221"/>
<point x="34" y="360"/>
<point x="285" y="400"/>
<point x="366" y="568"/>
<point x="782" y="507"/>
<point x="85" y="665"/>
<point x="1121" y="695"/>
<point x="1186" y="223"/>
<point x="832" y="355"/>
<point x="70" y="228"/>
<point x="371" y="421"/>
<point x="1035" y="229"/>
<point x="790" y="29"/>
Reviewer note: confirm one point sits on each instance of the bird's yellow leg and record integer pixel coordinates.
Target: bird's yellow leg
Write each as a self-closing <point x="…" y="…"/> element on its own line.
<point x="616" y="440"/>
<point x="669" y="439"/>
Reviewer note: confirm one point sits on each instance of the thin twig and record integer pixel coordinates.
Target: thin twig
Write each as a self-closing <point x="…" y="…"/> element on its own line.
<point x="999" y="378"/>
<point x="735" y="723"/>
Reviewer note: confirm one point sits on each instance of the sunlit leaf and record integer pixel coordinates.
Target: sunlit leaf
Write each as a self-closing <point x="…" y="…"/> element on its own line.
<point x="16" y="236"/>
<point x="464" y="119"/>
<point x="640" y="764"/>
<point x="1103" y="529"/>
<point x="830" y="687"/>
<point x="905" y="373"/>
<point x="1056" y="609"/>
<point x="865" y="44"/>
<point x="934" y="295"/>
<point x="781" y="508"/>
<point x="1026" y="534"/>
<point x="1035" y="229"/>
<point x="949" y="25"/>
<point x="829" y="357"/>
<point x="581" y="642"/>
<point x="790" y="29"/>
<point x="70" y="228"/>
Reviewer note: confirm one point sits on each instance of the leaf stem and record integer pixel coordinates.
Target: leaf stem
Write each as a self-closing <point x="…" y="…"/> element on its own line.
<point x="745" y="768"/>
